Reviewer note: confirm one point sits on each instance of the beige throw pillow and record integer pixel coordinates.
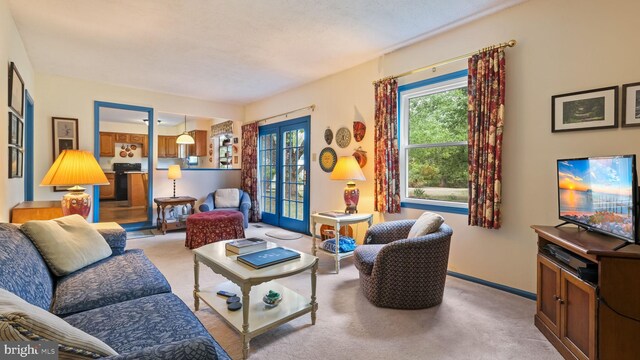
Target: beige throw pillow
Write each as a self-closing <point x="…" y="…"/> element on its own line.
<point x="427" y="223"/>
<point x="21" y="321"/>
<point x="227" y="198"/>
<point x="68" y="243"/>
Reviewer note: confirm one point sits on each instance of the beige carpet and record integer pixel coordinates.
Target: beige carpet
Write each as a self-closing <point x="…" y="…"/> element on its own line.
<point x="473" y="322"/>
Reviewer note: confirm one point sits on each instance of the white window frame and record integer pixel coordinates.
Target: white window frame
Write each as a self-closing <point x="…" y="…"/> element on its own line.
<point x="405" y="96"/>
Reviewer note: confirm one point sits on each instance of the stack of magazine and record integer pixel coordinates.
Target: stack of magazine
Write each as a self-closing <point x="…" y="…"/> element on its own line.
<point x="264" y="258"/>
<point x="245" y="246"/>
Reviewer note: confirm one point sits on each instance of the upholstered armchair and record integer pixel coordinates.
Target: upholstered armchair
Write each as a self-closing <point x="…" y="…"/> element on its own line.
<point x="243" y="206"/>
<point x="401" y="273"/>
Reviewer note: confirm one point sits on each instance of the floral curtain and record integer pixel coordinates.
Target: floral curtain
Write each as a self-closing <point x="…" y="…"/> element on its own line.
<point x="249" y="175"/>
<point x="486" y="88"/>
<point x="387" y="163"/>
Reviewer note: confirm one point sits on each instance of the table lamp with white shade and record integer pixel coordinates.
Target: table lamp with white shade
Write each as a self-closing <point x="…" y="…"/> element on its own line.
<point x="174" y="173"/>
<point x="74" y="168"/>
<point x="347" y="168"/>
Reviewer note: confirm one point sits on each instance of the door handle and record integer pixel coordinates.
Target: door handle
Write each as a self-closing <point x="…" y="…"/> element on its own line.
<point x="558" y="299"/>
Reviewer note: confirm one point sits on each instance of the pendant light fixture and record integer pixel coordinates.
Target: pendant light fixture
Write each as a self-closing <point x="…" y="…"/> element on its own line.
<point x="185" y="138"/>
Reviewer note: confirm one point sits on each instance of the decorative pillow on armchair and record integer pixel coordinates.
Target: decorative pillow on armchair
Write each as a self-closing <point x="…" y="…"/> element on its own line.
<point x="427" y="223"/>
<point x="227" y="198"/>
<point x="21" y="321"/>
<point x="68" y="243"/>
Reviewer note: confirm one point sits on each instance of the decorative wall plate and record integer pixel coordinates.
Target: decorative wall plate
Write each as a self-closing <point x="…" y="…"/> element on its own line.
<point x="328" y="159"/>
<point x="359" y="129"/>
<point x="130" y="154"/>
<point x="123" y="153"/>
<point x="328" y="136"/>
<point x="361" y="157"/>
<point x="133" y="147"/>
<point x="343" y="137"/>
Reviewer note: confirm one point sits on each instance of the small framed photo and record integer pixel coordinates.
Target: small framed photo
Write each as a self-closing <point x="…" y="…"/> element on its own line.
<point x="16" y="130"/>
<point x="16" y="90"/>
<point x="585" y="110"/>
<point x="65" y="137"/>
<point x="631" y="105"/>
<point x="15" y="162"/>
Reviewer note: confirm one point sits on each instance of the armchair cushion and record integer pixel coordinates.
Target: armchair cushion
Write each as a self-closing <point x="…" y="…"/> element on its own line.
<point x="114" y="234"/>
<point x="427" y="223"/>
<point x="227" y="198"/>
<point x="365" y="257"/>
<point x="387" y="232"/>
<point x="68" y="243"/>
<point x="21" y="321"/>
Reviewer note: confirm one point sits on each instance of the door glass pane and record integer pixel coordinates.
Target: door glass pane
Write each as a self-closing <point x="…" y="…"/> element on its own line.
<point x="267" y="174"/>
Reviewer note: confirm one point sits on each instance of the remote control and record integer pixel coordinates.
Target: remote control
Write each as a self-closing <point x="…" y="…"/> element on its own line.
<point x="233" y="299"/>
<point x="226" y="293"/>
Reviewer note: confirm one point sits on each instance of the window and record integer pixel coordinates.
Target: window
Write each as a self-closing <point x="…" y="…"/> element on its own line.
<point x="433" y="143"/>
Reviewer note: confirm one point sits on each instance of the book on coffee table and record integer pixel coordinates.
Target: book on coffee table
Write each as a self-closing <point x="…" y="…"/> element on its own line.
<point x="245" y="246"/>
<point x="264" y="258"/>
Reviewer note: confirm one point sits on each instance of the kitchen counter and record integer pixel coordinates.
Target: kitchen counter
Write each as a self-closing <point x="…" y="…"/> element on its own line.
<point x="135" y="172"/>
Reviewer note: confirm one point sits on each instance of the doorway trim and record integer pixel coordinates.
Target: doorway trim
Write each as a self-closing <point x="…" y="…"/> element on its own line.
<point x="29" y="145"/>
<point x="96" y="152"/>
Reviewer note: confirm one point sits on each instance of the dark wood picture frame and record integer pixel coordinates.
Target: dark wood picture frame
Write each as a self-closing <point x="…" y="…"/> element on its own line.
<point x="16" y="130"/>
<point x="15" y="162"/>
<point x="65" y="136"/>
<point x="16" y="90"/>
<point x="610" y="106"/>
<point x="631" y="118"/>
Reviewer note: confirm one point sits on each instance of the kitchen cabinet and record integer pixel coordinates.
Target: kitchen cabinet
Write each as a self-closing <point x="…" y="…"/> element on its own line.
<point x="109" y="191"/>
<point x="199" y="148"/>
<point x="162" y="148"/>
<point x="107" y="144"/>
<point x="122" y="137"/>
<point x="136" y="138"/>
<point x="145" y="146"/>
<point x="167" y="147"/>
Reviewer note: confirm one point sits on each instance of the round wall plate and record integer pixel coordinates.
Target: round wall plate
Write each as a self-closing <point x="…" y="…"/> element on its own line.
<point x="361" y="157"/>
<point x="359" y="129"/>
<point x="343" y="137"/>
<point x="328" y="136"/>
<point x="328" y="159"/>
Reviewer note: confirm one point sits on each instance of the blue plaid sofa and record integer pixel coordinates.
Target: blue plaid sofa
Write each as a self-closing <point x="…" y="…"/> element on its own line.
<point x="122" y="300"/>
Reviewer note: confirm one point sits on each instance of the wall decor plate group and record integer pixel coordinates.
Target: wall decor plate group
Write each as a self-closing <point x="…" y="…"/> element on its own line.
<point x="631" y="104"/>
<point x="15" y="162"/>
<point x="16" y="90"/>
<point x="343" y="137"/>
<point x="328" y="159"/>
<point x="359" y="130"/>
<point x="65" y="137"/>
<point x="585" y="110"/>
<point x="16" y="130"/>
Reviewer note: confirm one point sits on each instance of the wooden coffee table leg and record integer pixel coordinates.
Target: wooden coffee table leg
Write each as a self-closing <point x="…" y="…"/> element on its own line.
<point x="196" y="285"/>
<point x="246" y="290"/>
<point x="314" y="304"/>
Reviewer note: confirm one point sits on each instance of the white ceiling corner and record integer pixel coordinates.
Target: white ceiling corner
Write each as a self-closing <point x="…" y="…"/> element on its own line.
<point x="228" y="51"/>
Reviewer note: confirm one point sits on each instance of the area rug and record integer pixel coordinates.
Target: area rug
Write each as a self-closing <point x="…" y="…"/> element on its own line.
<point x="283" y="235"/>
<point x="139" y="234"/>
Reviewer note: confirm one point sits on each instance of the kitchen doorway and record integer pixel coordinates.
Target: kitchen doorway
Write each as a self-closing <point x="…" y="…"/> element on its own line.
<point x="123" y="147"/>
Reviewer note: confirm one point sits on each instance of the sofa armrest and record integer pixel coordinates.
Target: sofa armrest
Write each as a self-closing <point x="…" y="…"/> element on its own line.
<point x="245" y="201"/>
<point x="199" y="348"/>
<point x="207" y="205"/>
<point x="389" y="231"/>
<point x="115" y="235"/>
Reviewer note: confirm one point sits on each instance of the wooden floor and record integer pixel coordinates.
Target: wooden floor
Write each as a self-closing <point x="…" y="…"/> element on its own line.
<point x="120" y="212"/>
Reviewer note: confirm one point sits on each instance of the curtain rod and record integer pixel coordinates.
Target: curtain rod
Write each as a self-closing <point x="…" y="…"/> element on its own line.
<point x="312" y="107"/>
<point x="510" y="43"/>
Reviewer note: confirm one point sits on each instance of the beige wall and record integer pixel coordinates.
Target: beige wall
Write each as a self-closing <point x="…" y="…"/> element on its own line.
<point x="563" y="46"/>
<point x="11" y="50"/>
<point x="74" y="98"/>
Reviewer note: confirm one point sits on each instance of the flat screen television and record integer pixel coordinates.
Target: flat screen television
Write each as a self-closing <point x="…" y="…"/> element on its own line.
<point x="599" y="194"/>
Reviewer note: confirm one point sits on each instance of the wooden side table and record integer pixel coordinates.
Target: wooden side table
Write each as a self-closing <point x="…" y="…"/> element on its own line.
<point x="163" y="202"/>
<point x="336" y="222"/>
<point x="36" y="210"/>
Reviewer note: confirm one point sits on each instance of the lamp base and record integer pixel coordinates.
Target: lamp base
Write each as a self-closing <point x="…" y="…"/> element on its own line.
<point x="351" y="198"/>
<point x="76" y="201"/>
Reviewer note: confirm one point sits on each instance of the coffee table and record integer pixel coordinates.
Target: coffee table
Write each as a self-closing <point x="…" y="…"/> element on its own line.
<point x="254" y="318"/>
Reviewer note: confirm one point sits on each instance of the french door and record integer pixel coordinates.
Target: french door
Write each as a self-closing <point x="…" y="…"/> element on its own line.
<point x="283" y="161"/>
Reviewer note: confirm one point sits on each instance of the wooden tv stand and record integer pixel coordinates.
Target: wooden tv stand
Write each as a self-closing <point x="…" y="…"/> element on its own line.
<point x="586" y="320"/>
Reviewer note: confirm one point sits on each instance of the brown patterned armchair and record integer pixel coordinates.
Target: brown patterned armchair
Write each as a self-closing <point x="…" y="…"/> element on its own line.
<point x="401" y="273"/>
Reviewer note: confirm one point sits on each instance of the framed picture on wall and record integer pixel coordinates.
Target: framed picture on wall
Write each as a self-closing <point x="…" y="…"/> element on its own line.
<point x="631" y="104"/>
<point x="16" y="90"/>
<point x="15" y="162"/>
<point x="16" y="129"/>
<point x="585" y="110"/>
<point x="65" y="137"/>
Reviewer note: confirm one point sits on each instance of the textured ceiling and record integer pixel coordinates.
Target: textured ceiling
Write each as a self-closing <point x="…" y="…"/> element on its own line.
<point x="230" y="51"/>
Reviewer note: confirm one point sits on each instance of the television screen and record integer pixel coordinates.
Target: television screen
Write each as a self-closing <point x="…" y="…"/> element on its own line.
<point x="599" y="194"/>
